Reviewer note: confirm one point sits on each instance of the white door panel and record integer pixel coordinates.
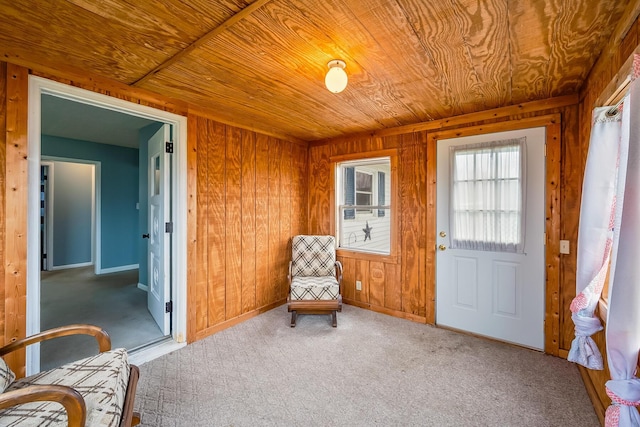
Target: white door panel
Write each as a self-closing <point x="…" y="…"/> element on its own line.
<point x="465" y="280"/>
<point x="159" y="284"/>
<point x="495" y="294"/>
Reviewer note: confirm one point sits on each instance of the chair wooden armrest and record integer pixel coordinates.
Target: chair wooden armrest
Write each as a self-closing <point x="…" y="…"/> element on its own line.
<point x="101" y="336"/>
<point x="338" y="265"/>
<point x="69" y="398"/>
<point x="128" y="417"/>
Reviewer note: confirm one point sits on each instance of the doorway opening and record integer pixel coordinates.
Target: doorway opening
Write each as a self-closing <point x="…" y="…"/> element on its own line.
<point x="119" y="251"/>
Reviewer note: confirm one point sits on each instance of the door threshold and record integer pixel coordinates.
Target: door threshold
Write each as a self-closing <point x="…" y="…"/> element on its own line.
<point x="143" y="354"/>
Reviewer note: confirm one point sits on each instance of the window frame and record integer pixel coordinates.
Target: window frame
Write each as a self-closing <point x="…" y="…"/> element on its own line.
<point x="394" y="224"/>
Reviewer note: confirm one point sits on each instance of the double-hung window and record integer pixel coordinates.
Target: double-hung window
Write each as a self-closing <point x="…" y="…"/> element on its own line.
<point x="363" y="200"/>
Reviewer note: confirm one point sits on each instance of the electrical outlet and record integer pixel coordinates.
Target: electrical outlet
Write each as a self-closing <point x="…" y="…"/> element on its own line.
<point x="358" y="285"/>
<point x="564" y="246"/>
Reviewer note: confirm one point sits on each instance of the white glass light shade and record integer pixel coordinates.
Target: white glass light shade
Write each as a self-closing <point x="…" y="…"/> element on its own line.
<point x="336" y="78"/>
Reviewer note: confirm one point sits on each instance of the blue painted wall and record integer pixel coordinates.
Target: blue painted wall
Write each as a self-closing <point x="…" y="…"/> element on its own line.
<point x="120" y="232"/>
<point x="143" y="220"/>
<point x="72" y="201"/>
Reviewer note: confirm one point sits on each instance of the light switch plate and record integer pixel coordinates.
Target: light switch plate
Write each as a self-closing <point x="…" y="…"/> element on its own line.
<point x="358" y="285"/>
<point x="564" y="246"/>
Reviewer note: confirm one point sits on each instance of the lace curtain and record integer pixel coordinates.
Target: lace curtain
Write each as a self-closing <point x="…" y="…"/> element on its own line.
<point x="610" y="229"/>
<point x="488" y="196"/>
<point x="623" y="318"/>
<point x="595" y="234"/>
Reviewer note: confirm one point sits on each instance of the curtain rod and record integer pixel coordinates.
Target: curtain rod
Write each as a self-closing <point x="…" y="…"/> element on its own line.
<point x="618" y="97"/>
<point x="613" y="111"/>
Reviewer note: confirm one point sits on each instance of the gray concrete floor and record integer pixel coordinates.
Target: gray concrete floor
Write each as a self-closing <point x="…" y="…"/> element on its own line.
<point x="111" y="301"/>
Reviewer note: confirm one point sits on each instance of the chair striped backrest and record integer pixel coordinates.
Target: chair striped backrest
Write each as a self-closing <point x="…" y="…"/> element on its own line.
<point x="313" y="256"/>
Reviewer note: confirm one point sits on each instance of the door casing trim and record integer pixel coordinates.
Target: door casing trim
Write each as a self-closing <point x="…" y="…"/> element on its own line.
<point x="39" y="86"/>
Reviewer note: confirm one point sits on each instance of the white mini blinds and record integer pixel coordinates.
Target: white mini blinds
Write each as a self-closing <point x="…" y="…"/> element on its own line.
<point x="488" y="196"/>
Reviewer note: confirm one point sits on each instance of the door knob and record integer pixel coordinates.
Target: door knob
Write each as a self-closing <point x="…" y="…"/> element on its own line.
<point x="145" y="236"/>
<point x="442" y="247"/>
<point x="443" y="234"/>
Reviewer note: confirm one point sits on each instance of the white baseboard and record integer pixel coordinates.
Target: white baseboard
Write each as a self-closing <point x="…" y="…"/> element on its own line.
<point x="65" y="267"/>
<point x="118" y="269"/>
<point x="143" y="287"/>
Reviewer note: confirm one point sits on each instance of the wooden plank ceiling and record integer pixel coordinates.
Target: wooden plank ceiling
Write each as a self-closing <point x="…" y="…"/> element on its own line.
<point x="261" y="64"/>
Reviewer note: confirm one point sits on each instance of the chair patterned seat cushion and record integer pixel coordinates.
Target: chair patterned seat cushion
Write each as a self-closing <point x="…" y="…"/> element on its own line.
<point x="314" y="288"/>
<point x="101" y="380"/>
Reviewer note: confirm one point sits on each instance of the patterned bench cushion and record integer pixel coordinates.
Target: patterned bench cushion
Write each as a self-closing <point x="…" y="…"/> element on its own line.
<point x="314" y="288"/>
<point x="101" y="380"/>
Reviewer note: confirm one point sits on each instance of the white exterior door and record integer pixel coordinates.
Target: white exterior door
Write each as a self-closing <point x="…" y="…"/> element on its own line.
<point x="159" y="214"/>
<point x="490" y="292"/>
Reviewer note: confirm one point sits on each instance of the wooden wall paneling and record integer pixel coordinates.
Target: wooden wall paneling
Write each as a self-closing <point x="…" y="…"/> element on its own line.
<point x="216" y="222"/>
<point x="412" y="192"/>
<point x="572" y="170"/>
<point x="319" y="185"/>
<point x="627" y="46"/>
<point x="594" y="380"/>
<point x="352" y="145"/>
<point x="377" y="283"/>
<point x="286" y="187"/>
<point x="377" y="143"/>
<point x="362" y="274"/>
<point x="300" y="179"/>
<point x="552" y="248"/>
<point x="248" y="221"/>
<point x="275" y="153"/>
<point x="197" y="224"/>
<point x="15" y="277"/>
<point x="3" y="218"/>
<point x="233" y="222"/>
<point x="348" y="278"/>
<point x="393" y="287"/>
<point x="599" y="378"/>
<point x="263" y="276"/>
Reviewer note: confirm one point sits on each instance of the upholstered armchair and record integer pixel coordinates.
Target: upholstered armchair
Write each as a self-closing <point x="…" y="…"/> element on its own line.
<point x="315" y="277"/>
<point x="96" y="391"/>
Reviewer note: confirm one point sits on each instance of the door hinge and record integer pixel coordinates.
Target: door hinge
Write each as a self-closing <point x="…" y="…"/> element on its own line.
<point x="545" y="150"/>
<point x="168" y="307"/>
<point x="168" y="227"/>
<point x="168" y="147"/>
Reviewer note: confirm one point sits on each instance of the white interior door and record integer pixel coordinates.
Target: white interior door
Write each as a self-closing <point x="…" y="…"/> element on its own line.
<point x="488" y="292"/>
<point x="159" y="214"/>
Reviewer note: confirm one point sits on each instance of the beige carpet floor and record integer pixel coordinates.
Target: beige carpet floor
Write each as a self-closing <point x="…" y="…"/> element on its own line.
<point x="372" y="370"/>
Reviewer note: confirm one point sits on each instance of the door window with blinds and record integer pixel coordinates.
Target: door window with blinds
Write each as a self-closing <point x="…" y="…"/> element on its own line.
<point x="363" y="193"/>
<point x="488" y="196"/>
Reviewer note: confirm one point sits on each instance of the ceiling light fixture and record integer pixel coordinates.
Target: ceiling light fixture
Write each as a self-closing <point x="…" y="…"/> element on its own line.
<point x="336" y="78"/>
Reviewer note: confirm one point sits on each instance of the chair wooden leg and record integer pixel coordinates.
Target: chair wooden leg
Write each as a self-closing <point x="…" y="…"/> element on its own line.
<point x="294" y="314"/>
<point x="334" y="319"/>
